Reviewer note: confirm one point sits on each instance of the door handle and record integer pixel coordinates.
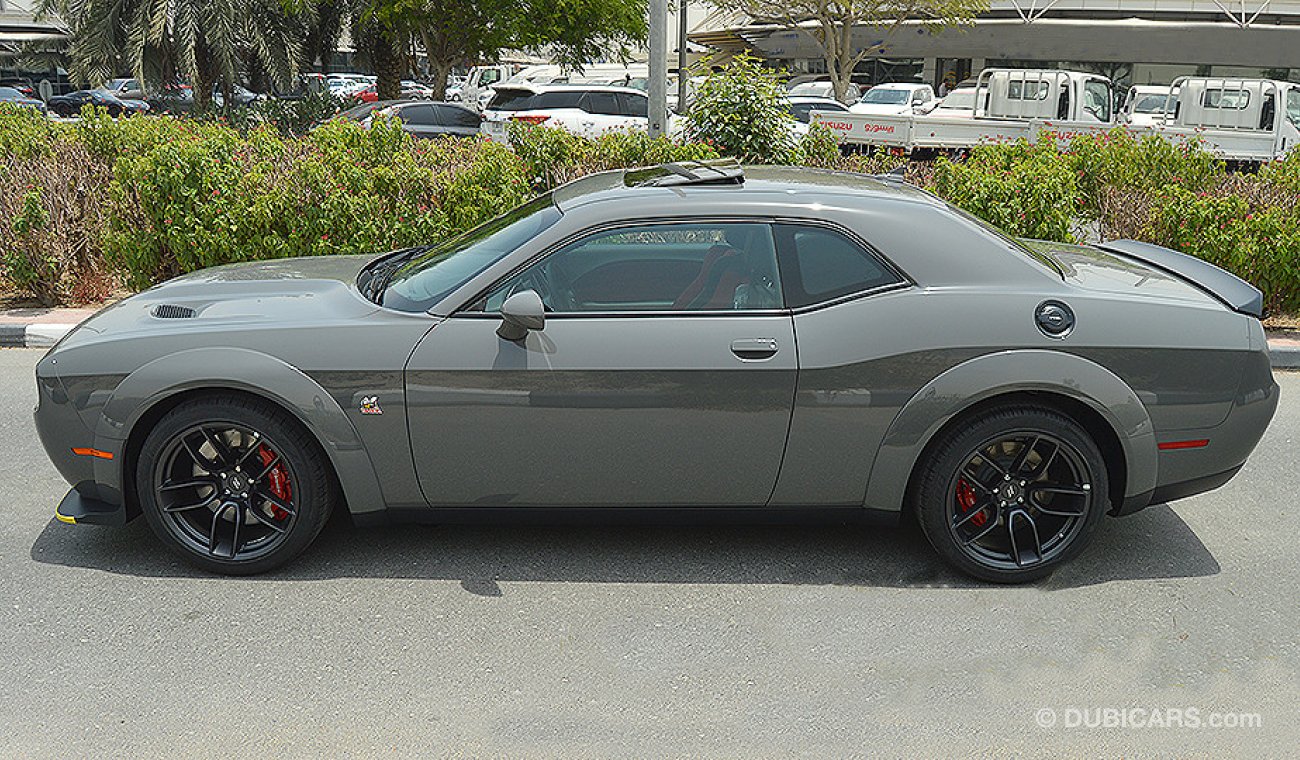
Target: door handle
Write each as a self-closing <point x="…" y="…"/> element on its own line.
<point x="754" y="349"/>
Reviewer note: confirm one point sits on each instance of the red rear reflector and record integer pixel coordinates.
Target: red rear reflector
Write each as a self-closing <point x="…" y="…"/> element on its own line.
<point x="1196" y="444"/>
<point x="93" y="453"/>
<point x="534" y="120"/>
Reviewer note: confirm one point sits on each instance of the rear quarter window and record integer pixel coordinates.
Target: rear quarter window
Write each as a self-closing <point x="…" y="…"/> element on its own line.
<point x="820" y="264"/>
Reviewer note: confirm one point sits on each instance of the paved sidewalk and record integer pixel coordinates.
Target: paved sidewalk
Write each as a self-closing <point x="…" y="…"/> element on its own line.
<point x="41" y="328"/>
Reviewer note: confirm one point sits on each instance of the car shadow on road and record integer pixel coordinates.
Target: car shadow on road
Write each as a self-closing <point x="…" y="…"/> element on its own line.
<point x="1152" y="544"/>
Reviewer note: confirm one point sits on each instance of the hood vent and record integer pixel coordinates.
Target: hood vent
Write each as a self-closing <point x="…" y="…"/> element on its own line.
<point x="172" y="311"/>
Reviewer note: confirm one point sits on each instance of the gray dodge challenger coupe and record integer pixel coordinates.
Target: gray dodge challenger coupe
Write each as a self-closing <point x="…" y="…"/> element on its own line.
<point x="694" y="338"/>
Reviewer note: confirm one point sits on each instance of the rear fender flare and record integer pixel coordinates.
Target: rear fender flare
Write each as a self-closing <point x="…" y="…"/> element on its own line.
<point x="990" y="375"/>
<point x="251" y="372"/>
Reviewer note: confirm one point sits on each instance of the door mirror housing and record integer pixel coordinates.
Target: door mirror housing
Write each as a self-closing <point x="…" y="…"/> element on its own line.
<point x="521" y="313"/>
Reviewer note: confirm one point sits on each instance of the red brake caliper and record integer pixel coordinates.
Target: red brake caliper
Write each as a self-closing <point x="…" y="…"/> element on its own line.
<point x="966" y="498"/>
<point x="279" y="480"/>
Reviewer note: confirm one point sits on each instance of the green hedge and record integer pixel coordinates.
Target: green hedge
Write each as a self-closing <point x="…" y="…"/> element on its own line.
<point x="142" y="199"/>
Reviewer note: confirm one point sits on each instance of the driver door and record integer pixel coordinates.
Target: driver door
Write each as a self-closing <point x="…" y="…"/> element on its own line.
<point x="664" y="376"/>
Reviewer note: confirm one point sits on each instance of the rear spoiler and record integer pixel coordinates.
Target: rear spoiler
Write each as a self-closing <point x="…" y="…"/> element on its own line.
<point x="1231" y="290"/>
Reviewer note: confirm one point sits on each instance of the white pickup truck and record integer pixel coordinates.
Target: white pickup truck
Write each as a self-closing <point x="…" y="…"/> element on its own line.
<point x="1248" y="120"/>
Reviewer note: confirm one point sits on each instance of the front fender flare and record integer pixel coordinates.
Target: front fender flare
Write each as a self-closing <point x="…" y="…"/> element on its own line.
<point x="251" y="372"/>
<point x="990" y="375"/>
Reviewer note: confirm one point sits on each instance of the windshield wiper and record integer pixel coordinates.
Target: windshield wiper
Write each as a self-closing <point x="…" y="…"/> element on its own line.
<point x="382" y="271"/>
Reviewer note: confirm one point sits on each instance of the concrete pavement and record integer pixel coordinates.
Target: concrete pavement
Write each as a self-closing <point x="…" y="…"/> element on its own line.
<point x="649" y="641"/>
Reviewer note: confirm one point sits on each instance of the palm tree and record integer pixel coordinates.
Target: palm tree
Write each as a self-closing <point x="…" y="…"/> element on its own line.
<point x="164" y="41"/>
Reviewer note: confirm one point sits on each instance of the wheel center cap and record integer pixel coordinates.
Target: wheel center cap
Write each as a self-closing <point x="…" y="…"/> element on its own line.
<point x="1009" y="491"/>
<point x="236" y="482"/>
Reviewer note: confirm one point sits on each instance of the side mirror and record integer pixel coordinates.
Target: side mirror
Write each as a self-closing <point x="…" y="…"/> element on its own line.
<point x="521" y="313"/>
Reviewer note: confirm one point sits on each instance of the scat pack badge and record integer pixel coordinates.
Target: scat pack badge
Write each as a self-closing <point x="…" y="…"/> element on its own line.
<point x="370" y="405"/>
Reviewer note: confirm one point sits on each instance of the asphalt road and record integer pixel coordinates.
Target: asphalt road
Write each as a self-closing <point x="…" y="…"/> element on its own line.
<point x="650" y="641"/>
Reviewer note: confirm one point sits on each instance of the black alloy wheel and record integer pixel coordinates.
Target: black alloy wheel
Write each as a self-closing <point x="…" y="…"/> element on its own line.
<point x="1013" y="495"/>
<point x="234" y="485"/>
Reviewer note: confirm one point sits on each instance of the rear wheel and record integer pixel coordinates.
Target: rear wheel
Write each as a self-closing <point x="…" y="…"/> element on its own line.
<point x="233" y="485"/>
<point x="1013" y="494"/>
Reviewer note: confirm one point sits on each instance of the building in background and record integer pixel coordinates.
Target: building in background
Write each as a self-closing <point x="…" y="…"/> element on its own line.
<point x="1130" y="41"/>
<point x="19" y="29"/>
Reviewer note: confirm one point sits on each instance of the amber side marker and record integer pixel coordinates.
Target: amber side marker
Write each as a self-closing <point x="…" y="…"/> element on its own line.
<point x="1172" y="445"/>
<point x="93" y="453"/>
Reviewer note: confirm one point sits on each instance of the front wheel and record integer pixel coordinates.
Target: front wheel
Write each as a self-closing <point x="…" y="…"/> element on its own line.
<point x="233" y="485"/>
<point x="1013" y="494"/>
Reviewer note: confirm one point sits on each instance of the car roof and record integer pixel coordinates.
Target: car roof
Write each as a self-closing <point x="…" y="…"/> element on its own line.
<point x="759" y="185"/>
<point x="812" y="99"/>
<point x="899" y="86"/>
<point x="538" y="89"/>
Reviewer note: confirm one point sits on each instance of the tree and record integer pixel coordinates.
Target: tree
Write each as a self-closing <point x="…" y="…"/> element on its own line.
<point x="467" y="32"/>
<point x="164" y="41"/>
<point x="831" y="24"/>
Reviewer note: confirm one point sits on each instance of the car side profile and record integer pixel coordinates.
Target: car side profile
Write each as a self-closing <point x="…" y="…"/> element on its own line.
<point x="420" y="118"/>
<point x="72" y="103"/>
<point x="696" y="337"/>
<point x="588" y="110"/>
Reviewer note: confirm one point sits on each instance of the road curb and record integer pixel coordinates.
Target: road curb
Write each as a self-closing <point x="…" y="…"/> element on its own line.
<point x="19" y="335"/>
<point x="1284" y="354"/>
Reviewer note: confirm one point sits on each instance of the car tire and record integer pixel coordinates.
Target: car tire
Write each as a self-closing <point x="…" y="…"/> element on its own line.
<point x="234" y="485"/>
<point x="1011" y="494"/>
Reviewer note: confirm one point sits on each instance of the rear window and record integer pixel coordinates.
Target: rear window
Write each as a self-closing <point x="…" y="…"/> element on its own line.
<point x="511" y="100"/>
<point x="523" y="100"/>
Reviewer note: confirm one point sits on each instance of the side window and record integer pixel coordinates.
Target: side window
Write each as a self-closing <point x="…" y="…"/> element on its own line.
<point x="820" y="264"/>
<point x="1096" y="99"/>
<point x="557" y="99"/>
<point x="665" y="267"/>
<point x="457" y="116"/>
<point x="605" y="103"/>
<point x="420" y="116"/>
<point x="635" y="105"/>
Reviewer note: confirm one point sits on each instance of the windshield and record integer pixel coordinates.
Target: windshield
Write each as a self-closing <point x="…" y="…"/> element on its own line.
<point x="1293" y="107"/>
<point x="421" y="283"/>
<point x="1149" y="104"/>
<point x="964" y="99"/>
<point x="885" y="97"/>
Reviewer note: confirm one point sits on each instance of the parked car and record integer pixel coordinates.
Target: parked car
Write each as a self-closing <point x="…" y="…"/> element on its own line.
<point x="71" y="104"/>
<point x="22" y="85"/>
<point x="627" y="341"/>
<point x="417" y="91"/>
<point x="586" y="110"/>
<point x="179" y="99"/>
<point x="821" y="89"/>
<point x="960" y="103"/>
<point x="126" y="88"/>
<point x="14" y="97"/>
<point x="1145" y="105"/>
<point x="370" y="93"/>
<point x="801" y="108"/>
<point x="896" y="98"/>
<point x="305" y="86"/>
<point x="420" y="118"/>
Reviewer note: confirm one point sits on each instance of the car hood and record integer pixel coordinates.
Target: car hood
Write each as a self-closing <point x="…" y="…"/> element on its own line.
<point x="247" y="296"/>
